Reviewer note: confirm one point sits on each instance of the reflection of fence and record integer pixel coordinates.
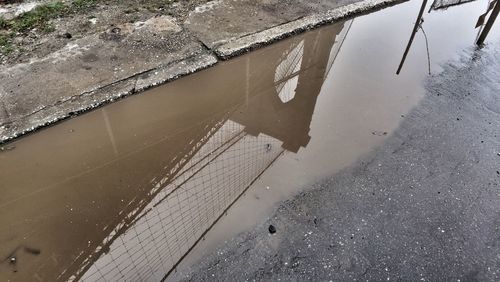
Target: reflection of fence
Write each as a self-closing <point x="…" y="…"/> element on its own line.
<point x="190" y="142"/>
<point x="188" y="206"/>
<point x="151" y="174"/>
<point x="220" y="160"/>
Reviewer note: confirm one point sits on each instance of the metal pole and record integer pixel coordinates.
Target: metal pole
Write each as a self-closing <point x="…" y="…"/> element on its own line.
<point x="489" y="24"/>
<point x="415" y="29"/>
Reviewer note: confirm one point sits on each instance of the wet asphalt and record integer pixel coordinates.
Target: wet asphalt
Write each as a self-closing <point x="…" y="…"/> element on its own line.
<point x="424" y="206"/>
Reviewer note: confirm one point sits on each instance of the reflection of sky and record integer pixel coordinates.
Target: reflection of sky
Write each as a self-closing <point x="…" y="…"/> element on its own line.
<point x="286" y="76"/>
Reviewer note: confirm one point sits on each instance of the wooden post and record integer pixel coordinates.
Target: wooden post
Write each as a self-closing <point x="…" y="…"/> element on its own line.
<point x="415" y="29"/>
<point x="489" y="24"/>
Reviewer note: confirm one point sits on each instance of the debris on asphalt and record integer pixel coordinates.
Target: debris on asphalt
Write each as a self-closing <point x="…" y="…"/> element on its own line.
<point x="272" y="229"/>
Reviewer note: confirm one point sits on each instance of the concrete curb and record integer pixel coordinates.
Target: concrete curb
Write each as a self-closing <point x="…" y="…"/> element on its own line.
<point x="50" y="114"/>
<point x="266" y="37"/>
<point x="88" y="101"/>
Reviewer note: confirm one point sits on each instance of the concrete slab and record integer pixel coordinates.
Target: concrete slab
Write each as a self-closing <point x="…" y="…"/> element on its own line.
<point x="77" y="77"/>
<point x="232" y="27"/>
<point x="221" y="21"/>
<point x="86" y="101"/>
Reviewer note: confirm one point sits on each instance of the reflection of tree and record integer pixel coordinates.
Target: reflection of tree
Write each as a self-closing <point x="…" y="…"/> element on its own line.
<point x="138" y="225"/>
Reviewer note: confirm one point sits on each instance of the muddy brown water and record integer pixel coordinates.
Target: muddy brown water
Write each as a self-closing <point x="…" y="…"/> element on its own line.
<point x="127" y="191"/>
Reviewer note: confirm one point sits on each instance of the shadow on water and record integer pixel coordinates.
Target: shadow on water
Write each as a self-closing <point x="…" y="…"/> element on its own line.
<point x="126" y="191"/>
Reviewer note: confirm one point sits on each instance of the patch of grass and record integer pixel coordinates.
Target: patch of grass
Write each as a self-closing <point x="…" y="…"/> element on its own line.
<point x="6" y="44"/>
<point x="48" y="28"/>
<point x="41" y="16"/>
<point x="38" y="17"/>
<point x="4" y="24"/>
<point x="82" y="5"/>
<point x="4" y="39"/>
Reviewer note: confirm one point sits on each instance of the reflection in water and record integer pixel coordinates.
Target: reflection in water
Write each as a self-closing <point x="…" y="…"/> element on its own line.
<point x="286" y="76"/>
<point x="444" y="4"/>
<point x="416" y="27"/>
<point x="132" y="189"/>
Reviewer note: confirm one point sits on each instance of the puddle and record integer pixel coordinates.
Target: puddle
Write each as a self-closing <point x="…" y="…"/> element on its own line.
<point x="126" y="191"/>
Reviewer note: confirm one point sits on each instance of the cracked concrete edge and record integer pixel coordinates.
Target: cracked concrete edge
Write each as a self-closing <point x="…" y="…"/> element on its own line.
<point x="253" y="41"/>
<point x="107" y="94"/>
<point x="174" y="71"/>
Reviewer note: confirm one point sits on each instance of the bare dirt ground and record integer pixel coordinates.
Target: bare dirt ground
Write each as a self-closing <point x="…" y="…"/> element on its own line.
<point x="50" y="25"/>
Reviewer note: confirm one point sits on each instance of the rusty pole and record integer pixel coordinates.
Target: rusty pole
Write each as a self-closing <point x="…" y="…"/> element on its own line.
<point x="415" y="29"/>
<point x="489" y="24"/>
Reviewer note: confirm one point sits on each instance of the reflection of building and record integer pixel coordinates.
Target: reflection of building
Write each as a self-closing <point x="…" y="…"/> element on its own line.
<point x="298" y="79"/>
<point x="133" y="210"/>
